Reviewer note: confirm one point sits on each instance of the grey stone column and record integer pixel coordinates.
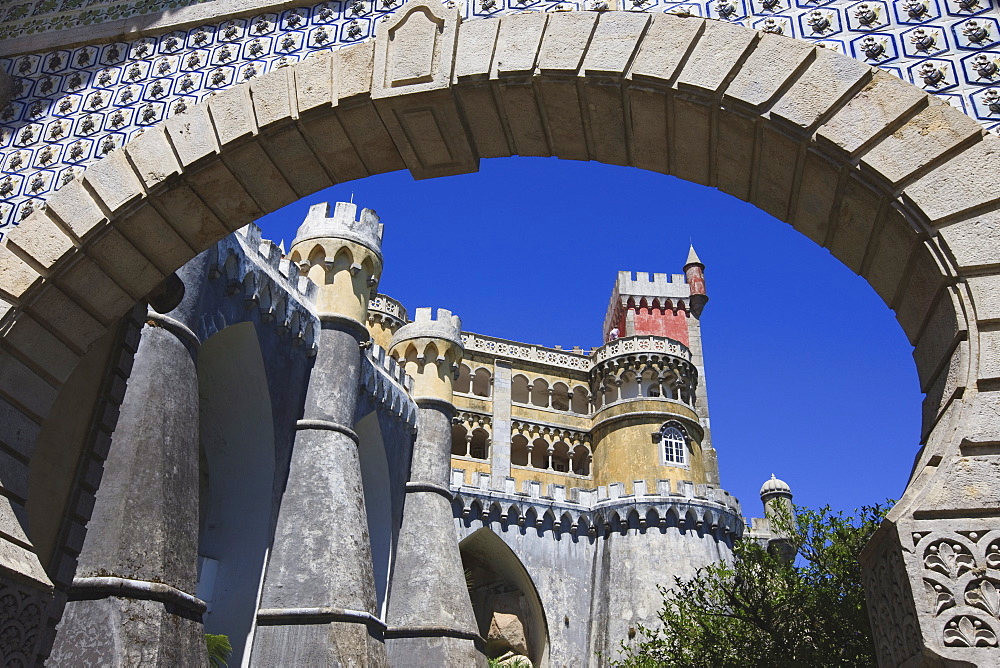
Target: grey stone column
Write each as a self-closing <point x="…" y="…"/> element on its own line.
<point x="318" y="603"/>
<point x="431" y="622"/>
<point x="131" y="602"/>
<point x="500" y="450"/>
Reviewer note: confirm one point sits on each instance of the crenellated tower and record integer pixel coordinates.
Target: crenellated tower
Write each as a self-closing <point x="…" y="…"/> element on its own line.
<point x="430" y="617"/>
<point x="342" y="254"/>
<point x="318" y="600"/>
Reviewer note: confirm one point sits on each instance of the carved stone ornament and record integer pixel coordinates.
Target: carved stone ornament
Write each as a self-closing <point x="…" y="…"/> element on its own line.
<point x="22" y="612"/>
<point x="415" y="49"/>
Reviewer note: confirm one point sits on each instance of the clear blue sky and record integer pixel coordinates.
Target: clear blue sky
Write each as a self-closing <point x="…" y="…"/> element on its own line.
<point x="809" y="375"/>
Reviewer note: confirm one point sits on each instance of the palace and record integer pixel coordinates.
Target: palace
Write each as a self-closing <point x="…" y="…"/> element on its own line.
<point x="444" y="493"/>
<point x="195" y="424"/>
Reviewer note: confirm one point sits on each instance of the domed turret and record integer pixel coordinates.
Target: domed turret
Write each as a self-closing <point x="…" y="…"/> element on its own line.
<point x="775" y="488"/>
<point x="776" y="496"/>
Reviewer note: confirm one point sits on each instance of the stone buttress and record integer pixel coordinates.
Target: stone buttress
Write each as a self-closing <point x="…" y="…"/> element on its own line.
<point x="430" y="617"/>
<point x="318" y="604"/>
<point x="132" y="600"/>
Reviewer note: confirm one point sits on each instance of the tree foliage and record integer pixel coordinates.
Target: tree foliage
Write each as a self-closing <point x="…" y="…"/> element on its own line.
<point x="219" y="649"/>
<point x="762" y="610"/>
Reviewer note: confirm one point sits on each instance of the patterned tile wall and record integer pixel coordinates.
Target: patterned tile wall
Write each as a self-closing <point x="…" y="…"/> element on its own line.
<point x="73" y="106"/>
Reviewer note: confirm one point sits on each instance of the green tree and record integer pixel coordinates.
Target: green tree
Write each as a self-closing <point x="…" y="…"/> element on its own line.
<point x="219" y="650"/>
<point x="765" y="610"/>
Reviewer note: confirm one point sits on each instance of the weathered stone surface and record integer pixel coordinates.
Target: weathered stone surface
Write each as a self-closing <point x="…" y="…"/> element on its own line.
<point x="216" y="186"/>
<point x="41" y="240"/>
<point x="817" y="193"/>
<point x="36" y="343"/>
<point x="942" y="333"/>
<point x="271" y="97"/>
<point x="663" y="48"/>
<point x="507" y="634"/>
<point x="76" y="208"/>
<point x="527" y="130"/>
<point x="62" y="315"/>
<point x="314" y="82"/>
<point x="919" y="142"/>
<point x="827" y="80"/>
<point x="415" y="50"/>
<point x="776" y="170"/>
<point x="734" y="154"/>
<point x="32" y="392"/>
<point x="565" y="41"/>
<point x="920" y="291"/>
<point x="692" y="141"/>
<point x="332" y="148"/>
<point x="310" y="567"/>
<point x="858" y="211"/>
<point x="146" y="229"/>
<point x="875" y="110"/>
<point x="947" y="191"/>
<point x="975" y="241"/>
<point x="295" y="160"/>
<point x="89" y="285"/>
<point x="985" y="296"/>
<point x="353" y="65"/>
<point x="518" y="43"/>
<point x="150" y="480"/>
<point x="257" y="174"/>
<point x="614" y="42"/>
<point x="648" y="124"/>
<point x="192" y="135"/>
<point x="893" y="247"/>
<point x="232" y="114"/>
<point x="120" y="259"/>
<point x="476" y="42"/>
<point x="114" y="181"/>
<point x="153" y="157"/>
<point x="773" y="62"/>
<point x="606" y="124"/>
<point x="718" y="52"/>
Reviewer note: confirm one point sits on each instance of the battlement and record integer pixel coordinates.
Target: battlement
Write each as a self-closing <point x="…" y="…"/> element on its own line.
<point x="445" y="326"/>
<point x="640" y="284"/>
<point x="343" y="224"/>
<point x="266" y="253"/>
<point x="596" y="511"/>
<point x="387" y="306"/>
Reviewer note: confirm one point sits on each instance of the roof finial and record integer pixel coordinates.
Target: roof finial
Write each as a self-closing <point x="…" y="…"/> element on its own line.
<point x="693" y="257"/>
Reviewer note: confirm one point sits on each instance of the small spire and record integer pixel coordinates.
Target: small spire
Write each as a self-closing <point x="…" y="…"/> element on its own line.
<point x="281" y="247"/>
<point x="693" y="258"/>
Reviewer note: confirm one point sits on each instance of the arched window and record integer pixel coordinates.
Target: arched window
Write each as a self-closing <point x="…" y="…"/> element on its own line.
<point x="674" y="446"/>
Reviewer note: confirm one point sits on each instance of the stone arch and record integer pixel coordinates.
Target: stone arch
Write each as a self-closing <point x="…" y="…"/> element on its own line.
<point x="237" y="438"/>
<point x="494" y="567"/>
<point x="863" y="164"/>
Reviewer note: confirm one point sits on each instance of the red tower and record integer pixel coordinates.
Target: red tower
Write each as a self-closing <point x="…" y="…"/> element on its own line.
<point x="658" y="305"/>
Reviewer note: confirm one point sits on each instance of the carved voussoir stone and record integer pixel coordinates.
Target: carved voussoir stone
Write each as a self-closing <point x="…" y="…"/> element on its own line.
<point x="415" y="49"/>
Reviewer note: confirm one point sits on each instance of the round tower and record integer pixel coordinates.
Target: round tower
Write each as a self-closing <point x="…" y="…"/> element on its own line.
<point x="321" y="556"/>
<point x="645" y="424"/>
<point x="779" y="512"/>
<point x="430" y="616"/>
<point x="342" y="255"/>
<point x="430" y="349"/>
<point x="776" y="496"/>
<point x="385" y="317"/>
<point x="694" y="272"/>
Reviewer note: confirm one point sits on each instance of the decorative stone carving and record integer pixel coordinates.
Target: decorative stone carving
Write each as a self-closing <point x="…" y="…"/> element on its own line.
<point x="416" y="48"/>
<point x="21" y="616"/>
<point x="893" y="619"/>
